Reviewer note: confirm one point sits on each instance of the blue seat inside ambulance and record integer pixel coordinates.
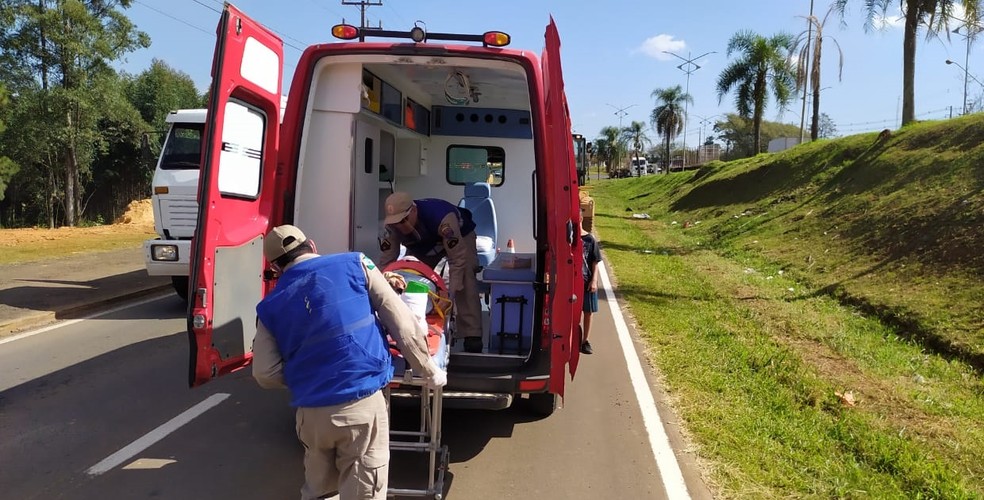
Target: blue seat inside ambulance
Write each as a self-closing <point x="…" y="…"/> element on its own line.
<point x="478" y="201"/>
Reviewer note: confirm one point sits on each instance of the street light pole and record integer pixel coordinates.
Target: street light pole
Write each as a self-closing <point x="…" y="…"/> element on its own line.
<point x="972" y="29"/>
<point x="966" y="73"/>
<point x="688" y="66"/>
<point x="704" y="121"/>
<point x="809" y="73"/>
<point x="620" y="112"/>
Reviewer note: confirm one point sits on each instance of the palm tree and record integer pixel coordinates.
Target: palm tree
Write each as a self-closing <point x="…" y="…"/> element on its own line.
<point x="811" y="75"/>
<point x="762" y="65"/>
<point x="609" y="147"/>
<point x="635" y="136"/>
<point x="934" y="15"/>
<point x="668" y="116"/>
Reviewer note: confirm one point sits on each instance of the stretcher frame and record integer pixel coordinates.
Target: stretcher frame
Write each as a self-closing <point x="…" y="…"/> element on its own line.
<point x="425" y="440"/>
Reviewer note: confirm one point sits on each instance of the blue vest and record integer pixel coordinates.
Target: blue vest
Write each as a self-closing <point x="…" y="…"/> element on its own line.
<point x="430" y="213"/>
<point x="333" y="348"/>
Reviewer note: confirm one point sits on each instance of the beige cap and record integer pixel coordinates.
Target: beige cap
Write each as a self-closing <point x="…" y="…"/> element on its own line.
<point x="397" y="206"/>
<point x="281" y="240"/>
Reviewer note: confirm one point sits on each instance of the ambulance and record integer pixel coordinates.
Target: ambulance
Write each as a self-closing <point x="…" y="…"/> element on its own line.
<point x="459" y="117"/>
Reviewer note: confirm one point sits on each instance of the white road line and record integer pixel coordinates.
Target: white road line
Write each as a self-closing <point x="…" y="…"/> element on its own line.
<point x="669" y="468"/>
<point x="128" y="451"/>
<point x="69" y="322"/>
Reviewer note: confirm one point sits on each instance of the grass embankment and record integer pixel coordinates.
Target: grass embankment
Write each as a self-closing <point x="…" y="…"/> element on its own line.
<point x="817" y="313"/>
<point x="28" y="245"/>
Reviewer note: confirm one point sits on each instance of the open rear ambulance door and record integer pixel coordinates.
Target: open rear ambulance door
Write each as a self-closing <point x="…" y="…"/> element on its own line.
<point x="236" y="195"/>
<point x="562" y="232"/>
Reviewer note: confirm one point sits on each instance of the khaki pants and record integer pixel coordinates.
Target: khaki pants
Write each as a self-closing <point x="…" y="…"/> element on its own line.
<point x="346" y="449"/>
<point x="463" y="259"/>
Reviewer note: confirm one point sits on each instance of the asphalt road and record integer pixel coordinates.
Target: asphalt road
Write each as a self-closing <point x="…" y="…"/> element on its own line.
<point x="74" y="397"/>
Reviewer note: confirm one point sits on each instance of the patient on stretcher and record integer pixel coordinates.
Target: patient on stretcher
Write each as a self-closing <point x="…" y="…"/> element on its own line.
<point x="426" y="293"/>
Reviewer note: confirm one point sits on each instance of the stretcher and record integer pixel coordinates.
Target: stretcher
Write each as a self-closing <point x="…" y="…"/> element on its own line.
<point x="427" y="438"/>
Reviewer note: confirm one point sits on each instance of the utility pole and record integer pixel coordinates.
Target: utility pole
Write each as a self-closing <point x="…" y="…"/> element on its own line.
<point x="688" y="66"/>
<point x="809" y="73"/>
<point x="363" y="5"/>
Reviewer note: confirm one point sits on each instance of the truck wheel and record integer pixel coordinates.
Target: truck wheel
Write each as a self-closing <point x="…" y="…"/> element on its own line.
<point x="543" y="404"/>
<point x="180" y="284"/>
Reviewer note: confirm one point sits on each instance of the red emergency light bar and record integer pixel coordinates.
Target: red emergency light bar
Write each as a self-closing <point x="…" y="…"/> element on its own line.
<point x="418" y="35"/>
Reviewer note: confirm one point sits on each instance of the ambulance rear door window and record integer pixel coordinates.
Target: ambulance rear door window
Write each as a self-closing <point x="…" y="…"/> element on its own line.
<point x="471" y="164"/>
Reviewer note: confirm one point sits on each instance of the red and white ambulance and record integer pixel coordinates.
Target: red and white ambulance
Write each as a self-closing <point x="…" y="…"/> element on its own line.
<point x="437" y="115"/>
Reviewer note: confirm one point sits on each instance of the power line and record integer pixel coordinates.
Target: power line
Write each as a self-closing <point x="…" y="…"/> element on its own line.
<point x="182" y="21"/>
<point x="363" y="6"/>
<point x="326" y="9"/>
<point x="210" y="33"/>
<point x="399" y="16"/>
<point x="209" y="7"/>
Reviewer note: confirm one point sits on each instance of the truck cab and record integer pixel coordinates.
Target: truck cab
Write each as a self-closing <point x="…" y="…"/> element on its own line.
<point x="437" y="115"/>
<point x="174" y="198"/>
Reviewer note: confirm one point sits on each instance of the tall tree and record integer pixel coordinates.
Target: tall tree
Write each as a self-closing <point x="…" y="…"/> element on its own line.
<point x="809" y="49"/>
<point x="160" y="89"/>
<point x="828" y="128"/>
<point x="609" y="147"/>
<point x="668" y="117"/>
<point x="7" y="166"/>
<point x="68" y="45"/>
<point x="934" y="15"/>
<point x="736" y="134"/>
<point x="635" y="136"/>
<point x="762" y="65"/>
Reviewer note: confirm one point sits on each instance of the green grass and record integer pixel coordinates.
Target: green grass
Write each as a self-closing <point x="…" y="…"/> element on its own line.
<point x="766" y="286"/>
<point x="54" y="243"/>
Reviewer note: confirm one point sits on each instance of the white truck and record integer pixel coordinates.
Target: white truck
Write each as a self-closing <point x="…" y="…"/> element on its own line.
<point x="175" y="198"/>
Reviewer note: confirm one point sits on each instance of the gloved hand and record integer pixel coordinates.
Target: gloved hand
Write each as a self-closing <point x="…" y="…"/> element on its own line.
<point x="440" y="377"/>
<point x="396" y="281"/>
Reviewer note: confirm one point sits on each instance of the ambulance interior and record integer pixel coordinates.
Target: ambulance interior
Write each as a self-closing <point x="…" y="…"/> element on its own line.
<point x="454" y="128"/>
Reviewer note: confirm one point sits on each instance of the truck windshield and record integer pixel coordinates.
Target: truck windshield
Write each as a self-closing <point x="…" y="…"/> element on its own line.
<point x="183" y="147"/>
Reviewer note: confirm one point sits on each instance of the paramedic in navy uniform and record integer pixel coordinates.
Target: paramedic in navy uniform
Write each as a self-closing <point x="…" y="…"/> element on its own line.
<point x="430" y="229"/>
<point x="320" y="334"/>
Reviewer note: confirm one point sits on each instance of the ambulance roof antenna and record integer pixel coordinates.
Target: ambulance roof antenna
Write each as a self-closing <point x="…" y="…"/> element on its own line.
<point x="363" y="5"/>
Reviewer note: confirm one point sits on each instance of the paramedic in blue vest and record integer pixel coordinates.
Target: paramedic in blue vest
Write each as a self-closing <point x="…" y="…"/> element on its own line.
<point x="431" y="229"/>
<point x="320" y="334"/>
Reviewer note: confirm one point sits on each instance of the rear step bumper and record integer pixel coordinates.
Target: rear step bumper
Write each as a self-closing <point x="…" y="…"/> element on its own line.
<point x="459" y="400"/>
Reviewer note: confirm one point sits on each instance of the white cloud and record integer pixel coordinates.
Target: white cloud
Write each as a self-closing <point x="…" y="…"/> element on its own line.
<point x="889" y="21"/>
<point x="654" y="46"/>
<point x="958" y="12"/>
<point x="897" y="20"/>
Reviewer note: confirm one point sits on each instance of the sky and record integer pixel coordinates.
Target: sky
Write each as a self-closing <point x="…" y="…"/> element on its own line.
<point x="614" y="51"/>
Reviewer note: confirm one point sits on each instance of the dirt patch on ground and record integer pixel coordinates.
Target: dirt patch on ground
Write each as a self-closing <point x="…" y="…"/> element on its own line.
<point x="139" y="212"/>
<point x="138" y="218"/>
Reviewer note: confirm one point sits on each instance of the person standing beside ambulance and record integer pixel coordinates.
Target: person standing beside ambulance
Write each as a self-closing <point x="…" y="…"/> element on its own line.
<point x="320" y="333"/>
<point x="430" y="229"/>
